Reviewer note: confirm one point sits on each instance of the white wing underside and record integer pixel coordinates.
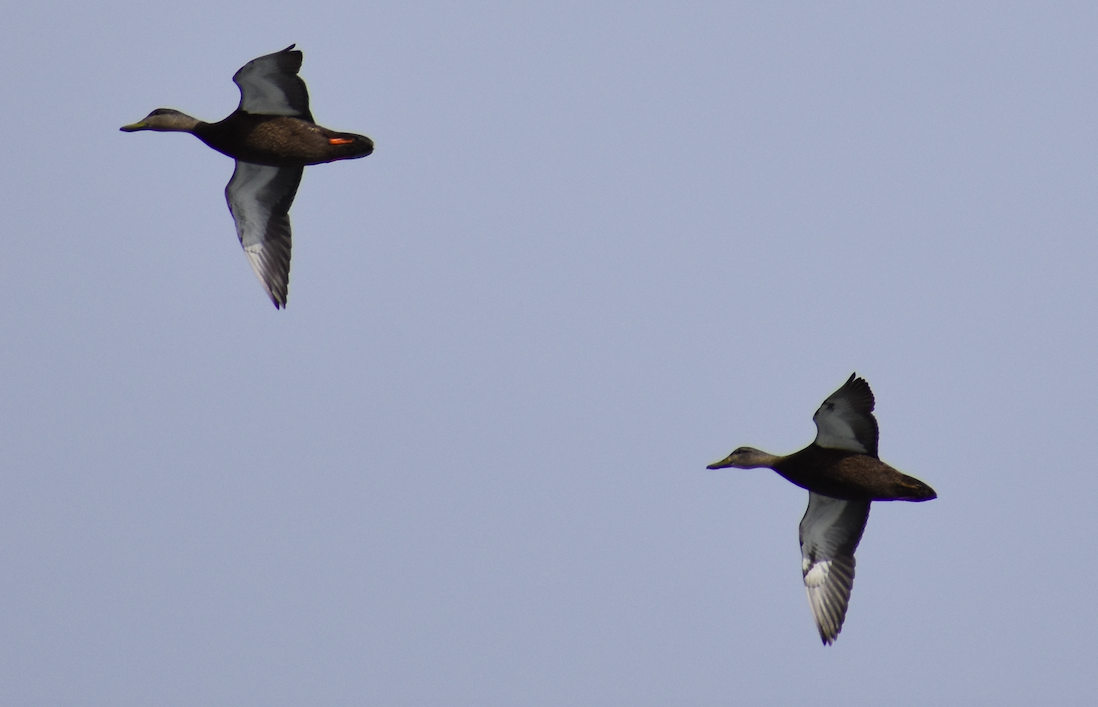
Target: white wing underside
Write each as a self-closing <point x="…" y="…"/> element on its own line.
<point x="270" y="85"/>
<point x="259" y="198"/>
<point x="830" y="532"/>
<point x="845" y="420"/>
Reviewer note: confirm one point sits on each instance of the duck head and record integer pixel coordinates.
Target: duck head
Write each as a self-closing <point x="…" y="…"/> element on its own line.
<point x="165" y="120"/>
<point x="745" y="458"/>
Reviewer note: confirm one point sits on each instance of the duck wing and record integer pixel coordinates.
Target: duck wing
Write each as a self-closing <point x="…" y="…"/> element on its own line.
<point x="259" y="199"/>
<point x="845" y="420"/>
<point x="270" y="85"/>
<point x="830" y="532"/>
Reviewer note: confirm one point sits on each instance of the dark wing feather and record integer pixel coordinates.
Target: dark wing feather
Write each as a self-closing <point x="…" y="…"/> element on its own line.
<point x="270" y="85"/>
<point x="259" y="199"/>
<point x="845" y="420"/>
<point x="830" y="532"/>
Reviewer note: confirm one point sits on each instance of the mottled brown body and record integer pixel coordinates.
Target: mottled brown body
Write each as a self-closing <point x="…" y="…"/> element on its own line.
<point x="843" y="476"/>
<point x="280" y="141"/>
<point x="273" y="137"/>
<point x="849" y="476"/>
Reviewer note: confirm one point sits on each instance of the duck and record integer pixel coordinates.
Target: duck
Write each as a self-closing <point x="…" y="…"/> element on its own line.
<point x="273" y="137"/>
<point x="843" y="475"/>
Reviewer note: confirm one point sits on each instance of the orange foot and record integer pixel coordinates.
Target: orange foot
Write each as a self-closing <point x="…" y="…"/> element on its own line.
<point x="339" y="141"/>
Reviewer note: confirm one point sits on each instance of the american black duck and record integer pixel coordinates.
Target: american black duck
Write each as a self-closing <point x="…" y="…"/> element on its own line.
<point x="272" y="137"/>
<point x="842" y="474"/>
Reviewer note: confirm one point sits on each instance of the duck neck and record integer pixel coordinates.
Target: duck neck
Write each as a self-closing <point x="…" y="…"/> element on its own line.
<point x="808" y="466"/>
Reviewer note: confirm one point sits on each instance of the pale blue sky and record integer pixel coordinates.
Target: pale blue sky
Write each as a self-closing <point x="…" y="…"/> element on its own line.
<point x="597" y="248"/>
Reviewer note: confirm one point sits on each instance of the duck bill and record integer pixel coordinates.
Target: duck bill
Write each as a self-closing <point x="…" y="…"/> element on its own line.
<point x="722" y="464"/>
<point x="139" y="125"/>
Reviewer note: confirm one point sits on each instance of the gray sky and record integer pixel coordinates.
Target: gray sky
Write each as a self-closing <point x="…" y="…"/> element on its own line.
<point x="597" y="248"/>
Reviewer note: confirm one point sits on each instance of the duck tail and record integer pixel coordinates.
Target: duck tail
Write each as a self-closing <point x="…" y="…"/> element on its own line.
<point x="911" y="489"/>
<point x="350" y="146"/>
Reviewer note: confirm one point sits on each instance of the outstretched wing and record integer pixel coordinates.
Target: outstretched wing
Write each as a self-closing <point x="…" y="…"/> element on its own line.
<point x="845" y="420"/>
<point x="259" y="198"/>
<point x="270" y="85"/>
<point x="830" y="532"/>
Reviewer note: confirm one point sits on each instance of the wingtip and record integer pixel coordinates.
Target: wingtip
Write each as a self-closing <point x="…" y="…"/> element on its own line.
<point x="278" y="300"/>
<point x="860" y="386"/>
<point x="825" y="638"/>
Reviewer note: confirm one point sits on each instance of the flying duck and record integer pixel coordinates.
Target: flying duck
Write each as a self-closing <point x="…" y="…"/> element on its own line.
<point x="842" y="474"/>
<point x="272" y="137"/>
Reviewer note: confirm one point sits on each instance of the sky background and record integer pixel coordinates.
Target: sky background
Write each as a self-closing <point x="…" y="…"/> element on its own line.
<point x="598" y="246"/>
